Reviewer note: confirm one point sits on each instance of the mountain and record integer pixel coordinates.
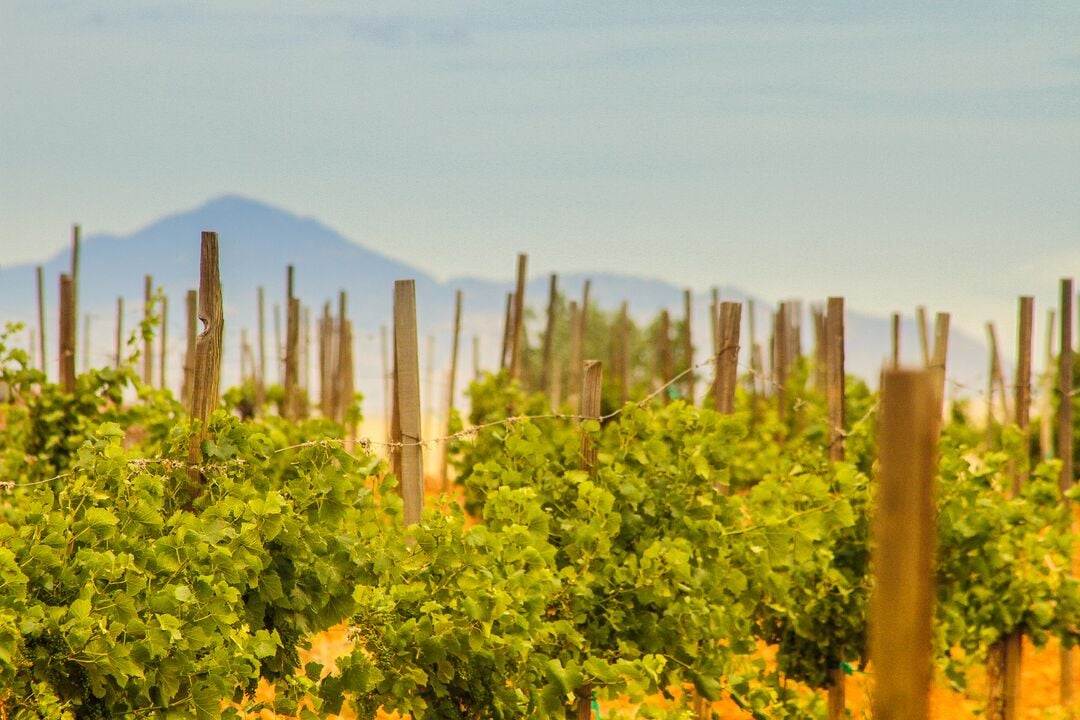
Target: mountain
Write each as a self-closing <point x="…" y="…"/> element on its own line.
<point x="258" y="241"/>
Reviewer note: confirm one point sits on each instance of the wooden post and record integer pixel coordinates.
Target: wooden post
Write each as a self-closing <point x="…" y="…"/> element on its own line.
<point x="192" y="322"/>
<point x="517" y="340"/>
<point x="260" y="382"/>
<point x="574" y="370"/>
<point x="66" y="346"/>
<point x="714" y="319"/>
<point x="305" y="360"/>
<point x="407" y="457"/>
<point x="688" y="345"/>
<point x="164" y="340"/>
<point x="901" y="602"/>
<point x="148" y="343"/>
<point x="834" y="396"/>
<point x="291" y="400"/>
<point x="592" y="379"/>
<point x="781" y="336"/>
<point x="41" y="318"/>
<point x="451" y="385"/>
<point x="817" y="315"/>
<point x="508" y="330"/>
<point x="667" y="359"/>
<point x="548" y="370"/>
<point x="1046" y="392"/>
<point x="895" y="340"/>
<point x="76" y="242"/>
<point x="924" y="333"/>
<point x="119" y="331"/>
<point x="727" y="356"/>
<point x="326" y="362"/>
<point x="939" y="357"/>
<point x="755" y="353"/>
<point x="997" y="378"/>
<point x="338" y="400"/>
<point x="346" y="380"/>
<point x="207" y="375"/>
<point x="1065" y="443"/>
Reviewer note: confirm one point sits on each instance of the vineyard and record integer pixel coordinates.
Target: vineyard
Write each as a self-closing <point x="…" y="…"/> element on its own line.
<point x="612" y="528"/>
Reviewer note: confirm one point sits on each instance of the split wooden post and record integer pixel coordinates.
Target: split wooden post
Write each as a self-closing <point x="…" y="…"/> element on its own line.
<point x="407" y="454"/>
<point x="451" y="389"/>
<point x="148" y="343"/>
<point x="727" y="356"/>
<point x="164" y="340"/>
<point x="119" y="331"/>
<point x="192" y="325"/>
<point x="924" y="334"/>
<point x="834" y="396"/>
<point x="547" y="371"/>
<point x="895" y="340"/>
<point x="901" y="602"/>
<point x="592" y="379"/>
<point x="688" y="344"/>
<point x="66" y="346"/>
<point x="41" y="318"/>
<point x="207" y="364"/>
<point x="517" y="341"/>
<point x="1065" y="443"/>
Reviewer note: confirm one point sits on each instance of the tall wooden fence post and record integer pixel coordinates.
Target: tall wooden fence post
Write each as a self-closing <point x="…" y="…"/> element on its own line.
<point x="407" y="456"/>
<point x="592" y="379"/>
<point x="517" y="340"/>
<point x="901" y="602"/>
<point x="66" y="346"/>
<point x="207" y="376"/>
<point x="834" y="396"/>
<point x="1065" y="443"/>
<point x="727" y="355"/>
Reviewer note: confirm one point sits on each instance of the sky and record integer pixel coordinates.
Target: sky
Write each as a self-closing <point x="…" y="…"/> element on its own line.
<point x="896" y="153"/>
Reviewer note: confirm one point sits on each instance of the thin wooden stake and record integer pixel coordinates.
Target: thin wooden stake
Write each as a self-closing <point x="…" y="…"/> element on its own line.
<point x="1065" y="443"/>
<point x="518" y="338"/>
<point x="1046" y="393"/>
<point x="76" y="243"/>
<point x="901" y="602"/>
<point x="66" y="346"/>
<point x="207" y="376"/>
<point x="407" y="458"/>
<point x="291" y="400"/>
<point x="924" y="334"/>
<point x="781" y="337"/>
<point x="548" y="370"/>
<point x="688" y="344"/>
<point x="834" y="395"/>
<point x="667" y="359"/>
<point x="508" y="331"/>
<point x="279" y="355"/>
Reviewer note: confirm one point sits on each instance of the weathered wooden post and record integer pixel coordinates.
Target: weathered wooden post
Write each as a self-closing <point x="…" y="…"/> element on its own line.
<point x="407" y="458"/>
<point x="1065" y="443"/>
<point x="592" y="380"/>
<point x="66" y="345"/>
<point x="834" y="397"/>
<point x="727" y="356"/>
<point x="901" y="602"/>
<point x="548" y="368"/>
<point x="924" y="333"/>
<point x="76" y="243"/>
<point x="207" y="376"/>
<point x="518" y="337"/>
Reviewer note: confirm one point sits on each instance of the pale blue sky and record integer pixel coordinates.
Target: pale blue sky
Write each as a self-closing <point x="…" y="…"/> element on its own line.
<point x="893" y="152"/>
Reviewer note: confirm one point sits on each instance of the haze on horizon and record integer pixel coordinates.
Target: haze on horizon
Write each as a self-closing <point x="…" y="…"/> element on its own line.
<point x="893" y="153"/>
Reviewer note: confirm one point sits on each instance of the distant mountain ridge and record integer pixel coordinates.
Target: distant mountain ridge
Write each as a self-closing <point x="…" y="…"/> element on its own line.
<point x="258" y="241"/>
